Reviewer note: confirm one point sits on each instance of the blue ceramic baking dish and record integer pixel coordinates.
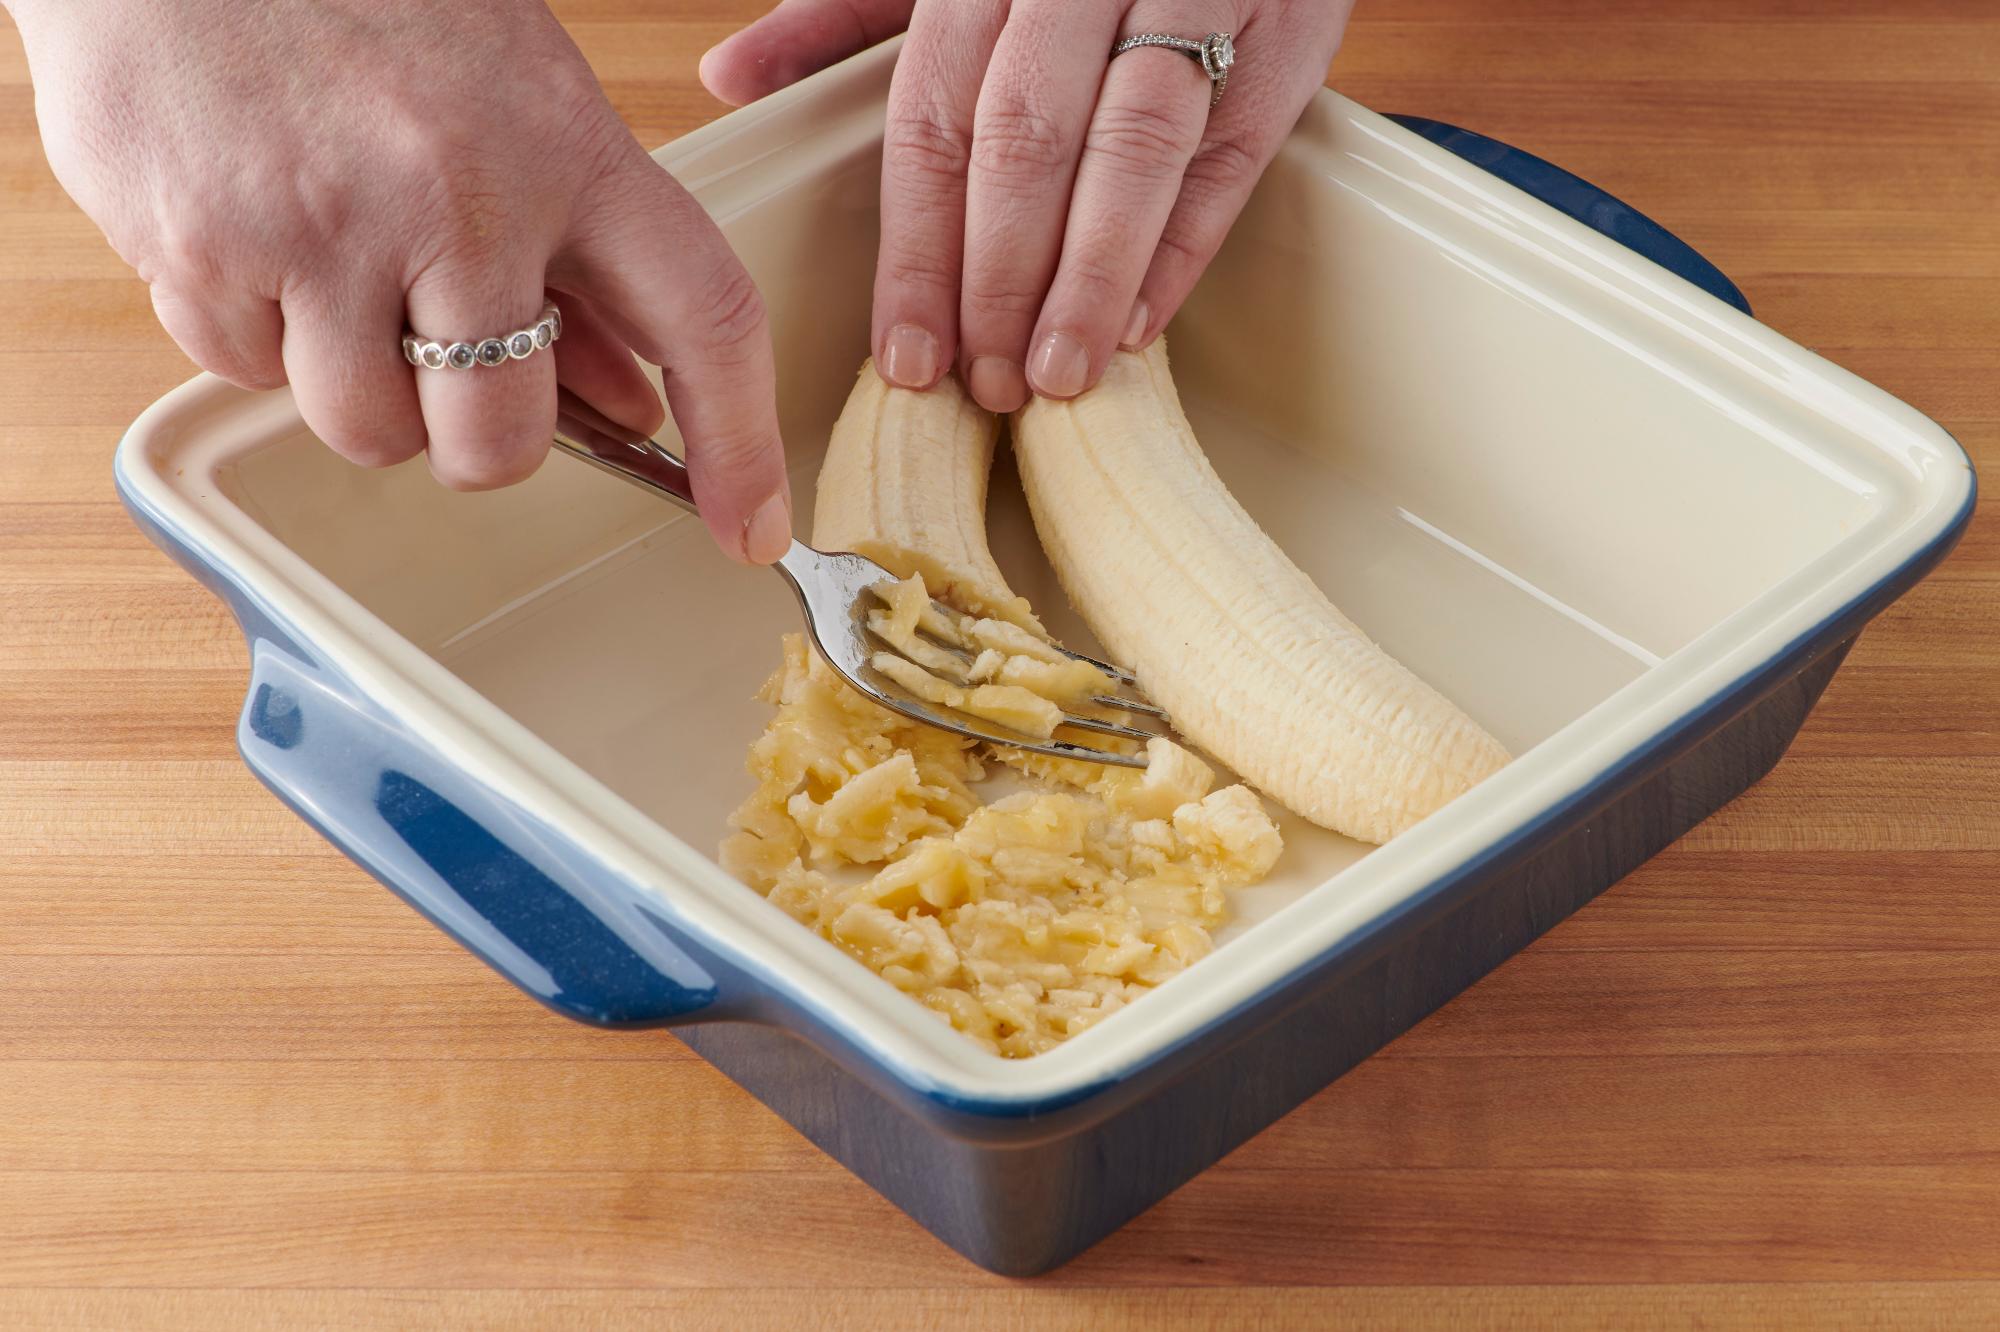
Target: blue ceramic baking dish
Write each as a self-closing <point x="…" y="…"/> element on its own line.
<point x="1532" y="442"/>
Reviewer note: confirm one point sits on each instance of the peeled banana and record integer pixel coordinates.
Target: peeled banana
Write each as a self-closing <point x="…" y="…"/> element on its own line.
<point x="904" y="483"/>
<point x="1253" y="662"/>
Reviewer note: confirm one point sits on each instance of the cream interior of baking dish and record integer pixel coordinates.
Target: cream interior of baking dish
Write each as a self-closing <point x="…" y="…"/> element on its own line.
<point x="1527" y="513"/>
<point x="1530" y="465"/>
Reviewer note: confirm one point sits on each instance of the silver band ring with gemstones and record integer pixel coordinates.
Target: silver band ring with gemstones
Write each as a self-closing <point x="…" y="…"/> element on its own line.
<point x="431" y="354"/>
<point x="1215" y="53"/>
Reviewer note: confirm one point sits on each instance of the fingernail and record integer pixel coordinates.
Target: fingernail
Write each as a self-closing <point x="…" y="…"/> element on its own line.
<point x="909" y="357"/>
<point x="1060" y="366"/>
<point x="767" y="533"/>
<point x="997" y="384"/>
<point x="1135" y="327"/>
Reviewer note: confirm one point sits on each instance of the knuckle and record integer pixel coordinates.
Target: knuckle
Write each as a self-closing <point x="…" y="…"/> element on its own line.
<point x="1014" y="141"/>
<point x="917" y="268"/>
<point x="468" y="211"/>
<point x="245" y="369"/>
<point x="565" y="87"/>
<point x="924" y="146"/>
<point x="468" y="206"/>
<point x="1097" y="271"/>
<point x="369" y="444"/>
<point x="592" y="143"/>
<point x="1184" y="248"/>
<point x="731" y="313"/>
<point x="735" y="452"/>
<point x="486" y="464"/>
<point x="990" y="300"/>
<point x="183" y="250"/>
<point x="1213" y="189"/>
<point x="302" y="214"/>
<point x="1223" y="166"/>
<point x="209" y="344"/>
<point x="358" y="424"/>
<point x="1142" y="141"/>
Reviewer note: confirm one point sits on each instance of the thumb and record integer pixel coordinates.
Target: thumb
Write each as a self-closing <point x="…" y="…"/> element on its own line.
<point x="659" y="272"/>
<point x="797" y="38"/>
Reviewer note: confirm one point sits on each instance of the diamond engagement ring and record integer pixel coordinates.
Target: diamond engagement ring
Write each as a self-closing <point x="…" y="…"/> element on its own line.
<point x="516" y="346"/>
<point x="1215" y="53"/>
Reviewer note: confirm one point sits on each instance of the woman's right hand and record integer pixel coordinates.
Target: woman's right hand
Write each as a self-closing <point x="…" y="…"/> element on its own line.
<point x="298" y="180"/>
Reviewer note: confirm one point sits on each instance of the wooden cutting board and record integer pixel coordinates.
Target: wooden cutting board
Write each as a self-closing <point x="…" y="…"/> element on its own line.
<point x="1758" y="1082"/>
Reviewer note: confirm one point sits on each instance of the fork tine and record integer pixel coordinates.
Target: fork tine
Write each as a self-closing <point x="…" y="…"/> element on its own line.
<point x="1130" y="705"/>
<point x="964" y="658"/>
<point x="1142" y="705"/>
<point x="1064" y="749"/>
<point x="892" y="697"/>
<point x="1118" y="673"/>
<point x="963" y="654"/>
<point x="945" y="613"/>
<point x="1104" y="727"/>
<point x="1138" y="705"/>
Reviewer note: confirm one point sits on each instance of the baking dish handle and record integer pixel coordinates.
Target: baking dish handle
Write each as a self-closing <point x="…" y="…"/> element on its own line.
<point x="1578" y="198"/>
<point x="522" y="898"/>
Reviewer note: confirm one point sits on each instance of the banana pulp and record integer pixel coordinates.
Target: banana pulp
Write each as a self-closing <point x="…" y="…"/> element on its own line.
<point x="1020" y="919"/>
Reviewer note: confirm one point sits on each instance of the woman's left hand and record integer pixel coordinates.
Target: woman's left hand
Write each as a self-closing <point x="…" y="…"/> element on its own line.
<point x="1042" y="202"/>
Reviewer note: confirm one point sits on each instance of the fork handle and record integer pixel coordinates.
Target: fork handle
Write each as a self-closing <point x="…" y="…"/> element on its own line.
<point x="584" y="432"/>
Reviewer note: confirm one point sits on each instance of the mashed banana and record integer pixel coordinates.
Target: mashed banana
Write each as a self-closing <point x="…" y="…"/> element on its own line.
<point x="1021" y="920"/>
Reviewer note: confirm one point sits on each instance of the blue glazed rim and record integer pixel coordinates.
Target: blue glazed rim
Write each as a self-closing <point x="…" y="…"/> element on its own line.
<point x="1577" y="198"/>
<point x="1579" y="201"/>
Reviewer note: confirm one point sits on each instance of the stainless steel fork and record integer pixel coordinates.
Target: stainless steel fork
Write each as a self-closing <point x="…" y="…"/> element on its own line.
<point x="833" y="590"/>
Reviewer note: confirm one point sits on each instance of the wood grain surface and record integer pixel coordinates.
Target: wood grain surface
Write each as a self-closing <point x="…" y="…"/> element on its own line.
<point x="1757" y="1084"/>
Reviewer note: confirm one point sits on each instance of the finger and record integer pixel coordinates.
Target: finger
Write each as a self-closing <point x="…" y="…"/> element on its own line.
<point x="234" y="334"/>
<point x="343" y="353"/>
<point x="926" y="149"/>
<point x="1026" y="137"/>
<point x="489" y="425"/>
<point x="1278" y="69"/>
<point x="654" y="265"/>
<point x="797" y="38"/>
<point x="593" y="362"/>
<point x="1147" y="125"/>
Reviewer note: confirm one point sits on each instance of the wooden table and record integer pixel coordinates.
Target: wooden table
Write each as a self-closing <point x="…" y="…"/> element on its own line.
<point x="1760" y="1081"/>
